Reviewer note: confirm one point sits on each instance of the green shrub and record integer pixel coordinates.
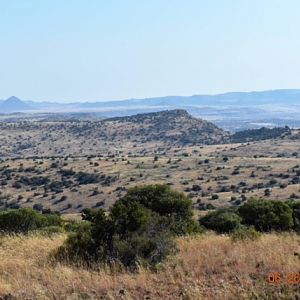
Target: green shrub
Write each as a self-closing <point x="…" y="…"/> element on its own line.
<point x="295" y="206"/>
<point x="245" y="233"/>
<point x="139" y="229"/>
<point x="266" y="215"/>
<point x="51" y="230"/>
<point x="24" y="220"/>
<point x="214" y="197"/>
<point x="78" y="246"/>
<point x="164" y="201"/>
<point x="222" y="221"/>
<point x="144" y="248"/>
<point x="71" y="225"/>
<point x="103" y="239"/>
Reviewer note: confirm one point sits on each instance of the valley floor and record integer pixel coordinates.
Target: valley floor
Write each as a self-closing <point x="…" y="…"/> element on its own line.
<point x="216" y="175"/>
<point x="206" y="267"/>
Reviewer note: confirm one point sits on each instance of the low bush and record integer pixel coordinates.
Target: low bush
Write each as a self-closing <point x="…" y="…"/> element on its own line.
<point x="245" y="233"/>
<point x="295" y="206"/>
<point x="164" y="201"/>
<point x="50" y="230"/>
<point x="222" y="221"/>
<point x="267" y="215"/>
<point x="136" y="237"/>
<point x="24" y="220"/>
<point x="262" y="215"/>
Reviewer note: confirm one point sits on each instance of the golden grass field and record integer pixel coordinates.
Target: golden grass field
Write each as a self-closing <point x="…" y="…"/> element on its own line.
<point x="206" y="267"/>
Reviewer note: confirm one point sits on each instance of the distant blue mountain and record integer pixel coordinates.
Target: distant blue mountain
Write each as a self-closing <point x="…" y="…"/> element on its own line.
<point x="239" y="99"/>
<point x="13" y="104"/>
<point x="235" y="99"/>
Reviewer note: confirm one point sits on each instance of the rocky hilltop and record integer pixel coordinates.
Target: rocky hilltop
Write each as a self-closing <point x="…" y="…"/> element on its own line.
<point x="142" y="133"/>
<point x="175" y="126"/>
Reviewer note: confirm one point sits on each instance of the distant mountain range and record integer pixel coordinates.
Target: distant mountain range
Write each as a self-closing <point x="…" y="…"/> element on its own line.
<point x="237" y="110"/>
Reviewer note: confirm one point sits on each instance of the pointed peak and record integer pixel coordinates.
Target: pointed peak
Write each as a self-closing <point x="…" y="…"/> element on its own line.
<point x="13" y="98"/>
<point x="13" y="104"/>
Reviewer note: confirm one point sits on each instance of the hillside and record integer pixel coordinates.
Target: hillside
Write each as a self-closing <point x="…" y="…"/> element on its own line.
<point x="212" y="176"/>
<point x="175" y="126"/>
<point x="140" y="133"/>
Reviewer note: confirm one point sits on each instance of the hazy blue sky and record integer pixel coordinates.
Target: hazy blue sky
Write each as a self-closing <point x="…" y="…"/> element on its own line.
<point x="75" y="50"/>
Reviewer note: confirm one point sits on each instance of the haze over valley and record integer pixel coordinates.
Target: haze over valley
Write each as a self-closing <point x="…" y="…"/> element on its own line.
<point x="231" y="111"/>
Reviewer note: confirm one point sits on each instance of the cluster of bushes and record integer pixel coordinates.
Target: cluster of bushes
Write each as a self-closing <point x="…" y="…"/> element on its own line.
<point x="24" y="220"/>
<point x="84" y="178"/>
<point x="139" y="229"/>
<point x="259" y="134"/>
<point x="34" y="181"/>
<point x="262" y="215"/>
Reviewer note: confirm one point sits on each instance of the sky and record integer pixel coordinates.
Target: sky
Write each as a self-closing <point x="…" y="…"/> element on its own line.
<point x="94" y="50"/>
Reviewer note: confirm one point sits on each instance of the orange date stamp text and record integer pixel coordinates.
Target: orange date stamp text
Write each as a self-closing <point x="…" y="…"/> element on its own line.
<point x="279" y="278"/>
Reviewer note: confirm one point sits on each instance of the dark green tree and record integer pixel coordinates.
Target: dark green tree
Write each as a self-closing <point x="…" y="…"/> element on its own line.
<point x="267" y="215"/>
<point x="222" y="221"/>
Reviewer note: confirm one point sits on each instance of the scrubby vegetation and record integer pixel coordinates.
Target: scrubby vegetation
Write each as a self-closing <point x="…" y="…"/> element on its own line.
<point x="141" y="241"/>
<point x="245" y="233"/>
<point x="212" y="176"/>
<point x="138" y="230"/>
<point x="262" y="215"/>
<point x="267" y="215"/>
<point x="205" y="267"/>
<point x="260" y="134"/>
<point x="152" y="230"/>
<point x="26" y="220"/>
<point x="221" y="221"/>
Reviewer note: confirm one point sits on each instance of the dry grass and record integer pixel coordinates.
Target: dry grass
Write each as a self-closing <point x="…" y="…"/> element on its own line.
<point x="174" y="168"/>
<point x="207" y="267"/>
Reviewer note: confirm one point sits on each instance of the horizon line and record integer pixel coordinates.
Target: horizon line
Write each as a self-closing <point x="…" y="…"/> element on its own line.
<point x="152" y="97"/>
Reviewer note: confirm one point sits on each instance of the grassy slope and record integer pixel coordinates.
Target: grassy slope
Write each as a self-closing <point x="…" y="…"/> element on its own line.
<point x="207" y="267"/>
